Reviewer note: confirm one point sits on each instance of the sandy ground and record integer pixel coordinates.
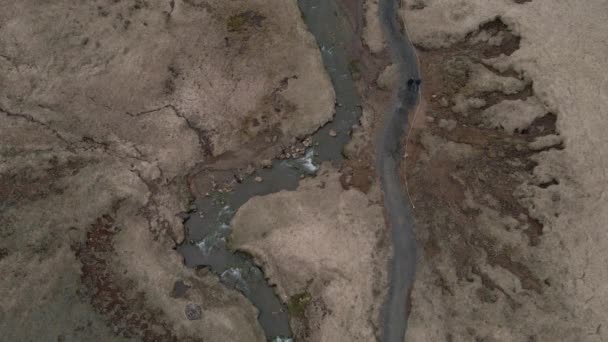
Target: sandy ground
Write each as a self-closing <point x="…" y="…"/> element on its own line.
<point x="506" y="166"/>
<point x="105" y="108"/>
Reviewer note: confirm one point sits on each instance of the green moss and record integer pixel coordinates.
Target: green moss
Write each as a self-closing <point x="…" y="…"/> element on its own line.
<point x="241" y="21"/>
<point x="237" y="22"/>
<point x="298" y="303"/>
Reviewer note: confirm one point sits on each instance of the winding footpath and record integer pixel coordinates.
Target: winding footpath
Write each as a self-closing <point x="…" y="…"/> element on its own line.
<point x="390" y="153"/>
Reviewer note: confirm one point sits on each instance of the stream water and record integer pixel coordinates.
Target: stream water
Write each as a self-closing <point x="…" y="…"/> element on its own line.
<point x="209" y="227"/>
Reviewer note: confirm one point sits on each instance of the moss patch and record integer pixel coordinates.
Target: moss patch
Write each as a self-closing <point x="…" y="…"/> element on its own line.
<point x="298" y="303"/>
<point x="243" y="20"/>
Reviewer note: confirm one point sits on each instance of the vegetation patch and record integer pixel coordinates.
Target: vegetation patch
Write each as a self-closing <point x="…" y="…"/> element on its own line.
<point x="242" y="21"/>
<point x="298" y="303"/>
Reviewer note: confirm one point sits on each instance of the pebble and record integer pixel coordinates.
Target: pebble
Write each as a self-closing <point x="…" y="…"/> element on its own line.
<point x="430" y="119"/>
<point x="266" y="163"/>
<point x="258" y="179"/>
<point x="444" y="102"/>
<point x="307" y="142"/>
<point x="193" y="311"/>
<point x="332" y="133"/>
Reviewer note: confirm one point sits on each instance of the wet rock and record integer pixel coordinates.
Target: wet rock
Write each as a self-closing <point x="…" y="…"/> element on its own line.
<point x="193" y="311"/>
<point x="250" y="169"/>
<point x="266" y="163"/>
<point x="307" y="142"/>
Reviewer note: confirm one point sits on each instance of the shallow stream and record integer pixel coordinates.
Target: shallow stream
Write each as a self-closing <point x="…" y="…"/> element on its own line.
<point x="209" y="226"/>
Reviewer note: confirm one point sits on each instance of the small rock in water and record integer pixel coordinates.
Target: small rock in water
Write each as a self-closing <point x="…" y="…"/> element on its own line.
<point x="266" y="163"/>
<point x="250" y="169"/>
<point x="307" y="142"/>
<point x="193" y="311"/>
<point x="258" y="179"/>
<point x="332" y="133"/>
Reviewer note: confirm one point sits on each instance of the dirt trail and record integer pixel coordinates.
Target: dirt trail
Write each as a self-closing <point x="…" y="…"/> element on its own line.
<point x="402" y="266"/>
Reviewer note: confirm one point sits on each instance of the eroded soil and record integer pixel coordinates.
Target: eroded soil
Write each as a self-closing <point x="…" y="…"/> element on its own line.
<point x="477" y="239"/>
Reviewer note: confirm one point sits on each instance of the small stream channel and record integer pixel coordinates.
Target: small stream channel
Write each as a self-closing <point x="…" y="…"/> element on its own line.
<point x="209" y="226"/>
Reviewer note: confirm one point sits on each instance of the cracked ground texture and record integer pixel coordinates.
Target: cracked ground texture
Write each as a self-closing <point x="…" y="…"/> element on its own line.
<point x="105" y="107"/>
<point x="509" y="182"/>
